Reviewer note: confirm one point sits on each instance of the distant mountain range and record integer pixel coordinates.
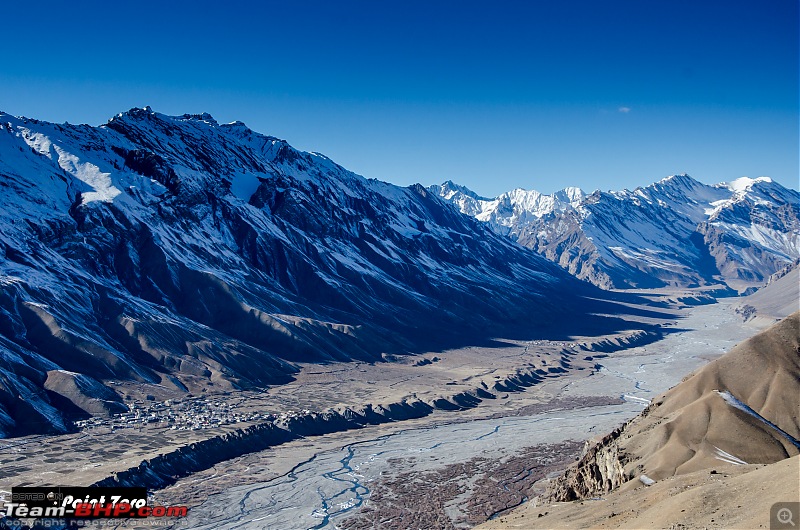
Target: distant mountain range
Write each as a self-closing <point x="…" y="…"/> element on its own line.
<point x="176" y="251"/>
<point x="677" y="231"/>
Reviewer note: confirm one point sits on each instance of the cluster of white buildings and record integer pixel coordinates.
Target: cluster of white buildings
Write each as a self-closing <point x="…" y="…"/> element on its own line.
<point x="176" y="414"/>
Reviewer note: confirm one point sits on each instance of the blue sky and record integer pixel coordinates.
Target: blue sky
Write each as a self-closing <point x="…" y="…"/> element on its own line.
<point x="494" y="96"/>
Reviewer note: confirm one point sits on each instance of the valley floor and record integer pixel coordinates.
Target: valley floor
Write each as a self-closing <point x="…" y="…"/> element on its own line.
<point x="354" y="478"/>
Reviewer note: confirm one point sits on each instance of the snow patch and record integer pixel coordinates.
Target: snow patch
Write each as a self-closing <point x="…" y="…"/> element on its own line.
<point x="735" y="403"/>
<point x="38" y="142"/>
<point x="89" y="174"/>
<point x="727" y="457"/>
<point x="647" y="481"/>
<point x="743" y="184"/>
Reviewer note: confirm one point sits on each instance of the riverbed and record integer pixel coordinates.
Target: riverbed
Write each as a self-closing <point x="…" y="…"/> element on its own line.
<point x="333" y="482"/>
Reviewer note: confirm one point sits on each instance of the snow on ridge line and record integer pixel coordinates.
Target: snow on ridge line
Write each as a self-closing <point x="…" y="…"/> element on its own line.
<point x="743" y="184"/>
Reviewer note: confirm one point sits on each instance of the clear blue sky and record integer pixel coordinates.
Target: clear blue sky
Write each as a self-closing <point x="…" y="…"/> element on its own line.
<point x="493" y="95"/>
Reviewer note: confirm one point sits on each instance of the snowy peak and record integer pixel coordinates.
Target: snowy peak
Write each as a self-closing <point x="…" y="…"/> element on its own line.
<point x="573" y="196"/>
<point x="681" y="180"/>
<point x="448" y="189"/>
<point x="540" y="203"/>
<point x="683" y="194"/>
<point x="762" y="194"/>
<point x="680" y="188"/>
<point x="511" y="208"/>
<point x="677" y="231"/>
<point x="759" y="189"/>
<point x="525" y="203"/>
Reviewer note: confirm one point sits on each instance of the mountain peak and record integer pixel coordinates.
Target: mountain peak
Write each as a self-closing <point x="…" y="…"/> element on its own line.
<point x="137" y="112"/>
<point x="147" y="112"/>
<point x="449" y="188"/>
<point x="204" y="117"/>
<point x="570" y="194"/>
<point x="681" y="179"/>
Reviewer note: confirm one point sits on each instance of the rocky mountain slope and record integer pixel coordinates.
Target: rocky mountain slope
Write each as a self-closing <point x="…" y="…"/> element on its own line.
<point x="677" y="231"/>
<point x="176" y="251"/>
<point x="779" y="297"/>
<point x="717" y="450"/>
<point x="727" y="497"/>
<point x="742" y="408"/>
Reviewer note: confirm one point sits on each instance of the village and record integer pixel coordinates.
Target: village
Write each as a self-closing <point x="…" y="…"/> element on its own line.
<point x="189" y="413"/>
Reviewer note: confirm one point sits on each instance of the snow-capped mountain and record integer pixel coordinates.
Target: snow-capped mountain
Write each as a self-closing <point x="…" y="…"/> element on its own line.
<point x="176" y="251"/>
<point x="514" y="208"/>
<point x="677" y="231"/>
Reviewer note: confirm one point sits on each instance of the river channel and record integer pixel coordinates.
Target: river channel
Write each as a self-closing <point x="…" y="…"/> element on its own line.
<point x="334" y="483"/>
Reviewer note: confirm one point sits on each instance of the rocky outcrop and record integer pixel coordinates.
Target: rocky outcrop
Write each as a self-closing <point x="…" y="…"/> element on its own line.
<point x="598" y="471"/>
<point x="774" y="300"/>
<point x="783" y="271"/>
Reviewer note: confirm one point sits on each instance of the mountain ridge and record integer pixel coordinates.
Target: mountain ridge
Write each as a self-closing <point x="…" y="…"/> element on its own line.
<point x="175" y="251"/>
<point x="676" y="231"/>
